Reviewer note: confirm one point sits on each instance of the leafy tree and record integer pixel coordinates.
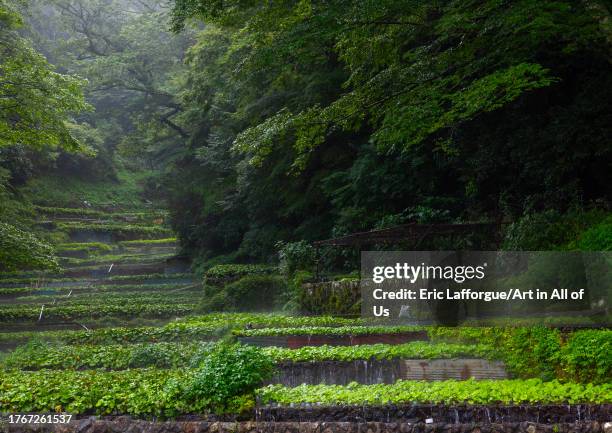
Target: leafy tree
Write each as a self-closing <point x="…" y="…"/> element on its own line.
<point x="20" y="249"/>
<point x="35" y="101"/>
<point x="36" y="108"/>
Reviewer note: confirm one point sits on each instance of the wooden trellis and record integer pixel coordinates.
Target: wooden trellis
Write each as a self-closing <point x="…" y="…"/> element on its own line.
<point x="413" y="234"/>
<point x="410" y="233"/>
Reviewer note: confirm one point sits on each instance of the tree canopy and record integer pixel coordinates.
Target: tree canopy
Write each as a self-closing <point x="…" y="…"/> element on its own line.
<point x="309" y="119"/>
<point x="262" y="123"/>
<point x="36" y="103"/>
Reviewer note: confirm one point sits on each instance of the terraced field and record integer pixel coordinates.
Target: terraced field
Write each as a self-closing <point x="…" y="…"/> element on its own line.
<point x="117" y="268"/>
<point x="118" y="332"/>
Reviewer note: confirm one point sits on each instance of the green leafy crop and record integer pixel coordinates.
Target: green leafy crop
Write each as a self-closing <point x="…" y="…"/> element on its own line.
<point x="229" y="372"/>
<point x="447" y="392"/>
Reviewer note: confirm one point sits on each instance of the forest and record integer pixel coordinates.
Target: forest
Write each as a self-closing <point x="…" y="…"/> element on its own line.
<point x="262" y="125"/>
<point x="186" y="187"/>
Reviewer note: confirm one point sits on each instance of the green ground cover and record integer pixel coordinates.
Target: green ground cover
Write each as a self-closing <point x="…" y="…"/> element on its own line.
<point x="115" y="228"/>
<point x="90" y="247"/>
<point x="68" y="212"/>
<point x="100" y="297"/>
<point x="185" y="329"/>
<point x="583" y="358"/>
<point x="530" y="391"/>
<point x="122" y="308"/>
<point x="37" y="355"/>
<point x="412" y="350"/>
<point x="72" y="191"/>
<point x="27" y="292"/>
<point x="147" y="242"/>
<point x="128" y="258"/>
<point x="317" y="330"/>
<point x="50" y="279"/>
<point x="527" y="352"/>
<point x="165" y="393"/>
<point x="237" y="270"/>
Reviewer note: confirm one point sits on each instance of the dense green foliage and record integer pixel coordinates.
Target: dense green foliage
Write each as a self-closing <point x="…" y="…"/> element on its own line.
<point x="35" y="101"/>
<point x="337" y="330"/>
<point x="539" y="351"/>
<point x="135" y="392"/>
<point x="449" y="392"/>
<point x="264" y="126"/>
<point x="551" y="230"/>
<point x="186" y="329"/>
<point x="312" y="119"/>
<point x="413" y="350"/>
<point x="162" y="393"/>
<point x="89" y="247"/>
<point x="37" y="293"/>
<point x="225" y="273"/>
<point x="110" y="280"/>
<point x="37" y="109"/>
<point x="37" y="355"/>
<point x="249" y="293"/>
<point x="109" y="297"/>
<point x="118" y="229"/>
<point x="120" y="308"/>
<point x="22" y="250"/>
<point x="586" y="356"/>
<point x="527" y="352"/>
<point x="229" y="372"/>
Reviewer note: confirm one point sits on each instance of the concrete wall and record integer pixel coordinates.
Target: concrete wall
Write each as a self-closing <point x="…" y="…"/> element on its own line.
<point x="386" y="371"/>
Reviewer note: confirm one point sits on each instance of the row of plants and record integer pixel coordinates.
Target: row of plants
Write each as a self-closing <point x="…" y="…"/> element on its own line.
<point x="527" y="352"/>
<point x="224" y="381"/>
<point x="116" y="228"/>
<point x="269" y="320"/>
<point x="148" y="242"/>
<point x="51" y="279"/>
<point x="516" y="391"/>
<point x="118" y="335"/>
<point x="97" y="250"/>
<point x="185" y="329"/>
<point x="229" y="271"/>
<point x="89" y="247"/>
<point x="583" y="358"/>
<point x="411" y="350"/>
<point x="95" y="213"/>
<point x="99" y="297"/>
<point x="600" y="319"/>
<point x="220" y="387"/>
<point x="38" y="355"/>
<point x="535" y="351"/>
<point x="139" y="308"/>
<point x="318" y="330"/>
<point x="116" y="258"/>
<point x="33" y="291"/>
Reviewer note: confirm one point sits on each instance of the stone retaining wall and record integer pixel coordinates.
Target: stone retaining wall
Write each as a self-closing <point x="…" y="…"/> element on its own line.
<point x="374" y="371"/>
<point x="331" y="297"/>
<point x="440" y="413"/>
<point x="128" y="425"/>
<point x="297" y="341"/>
